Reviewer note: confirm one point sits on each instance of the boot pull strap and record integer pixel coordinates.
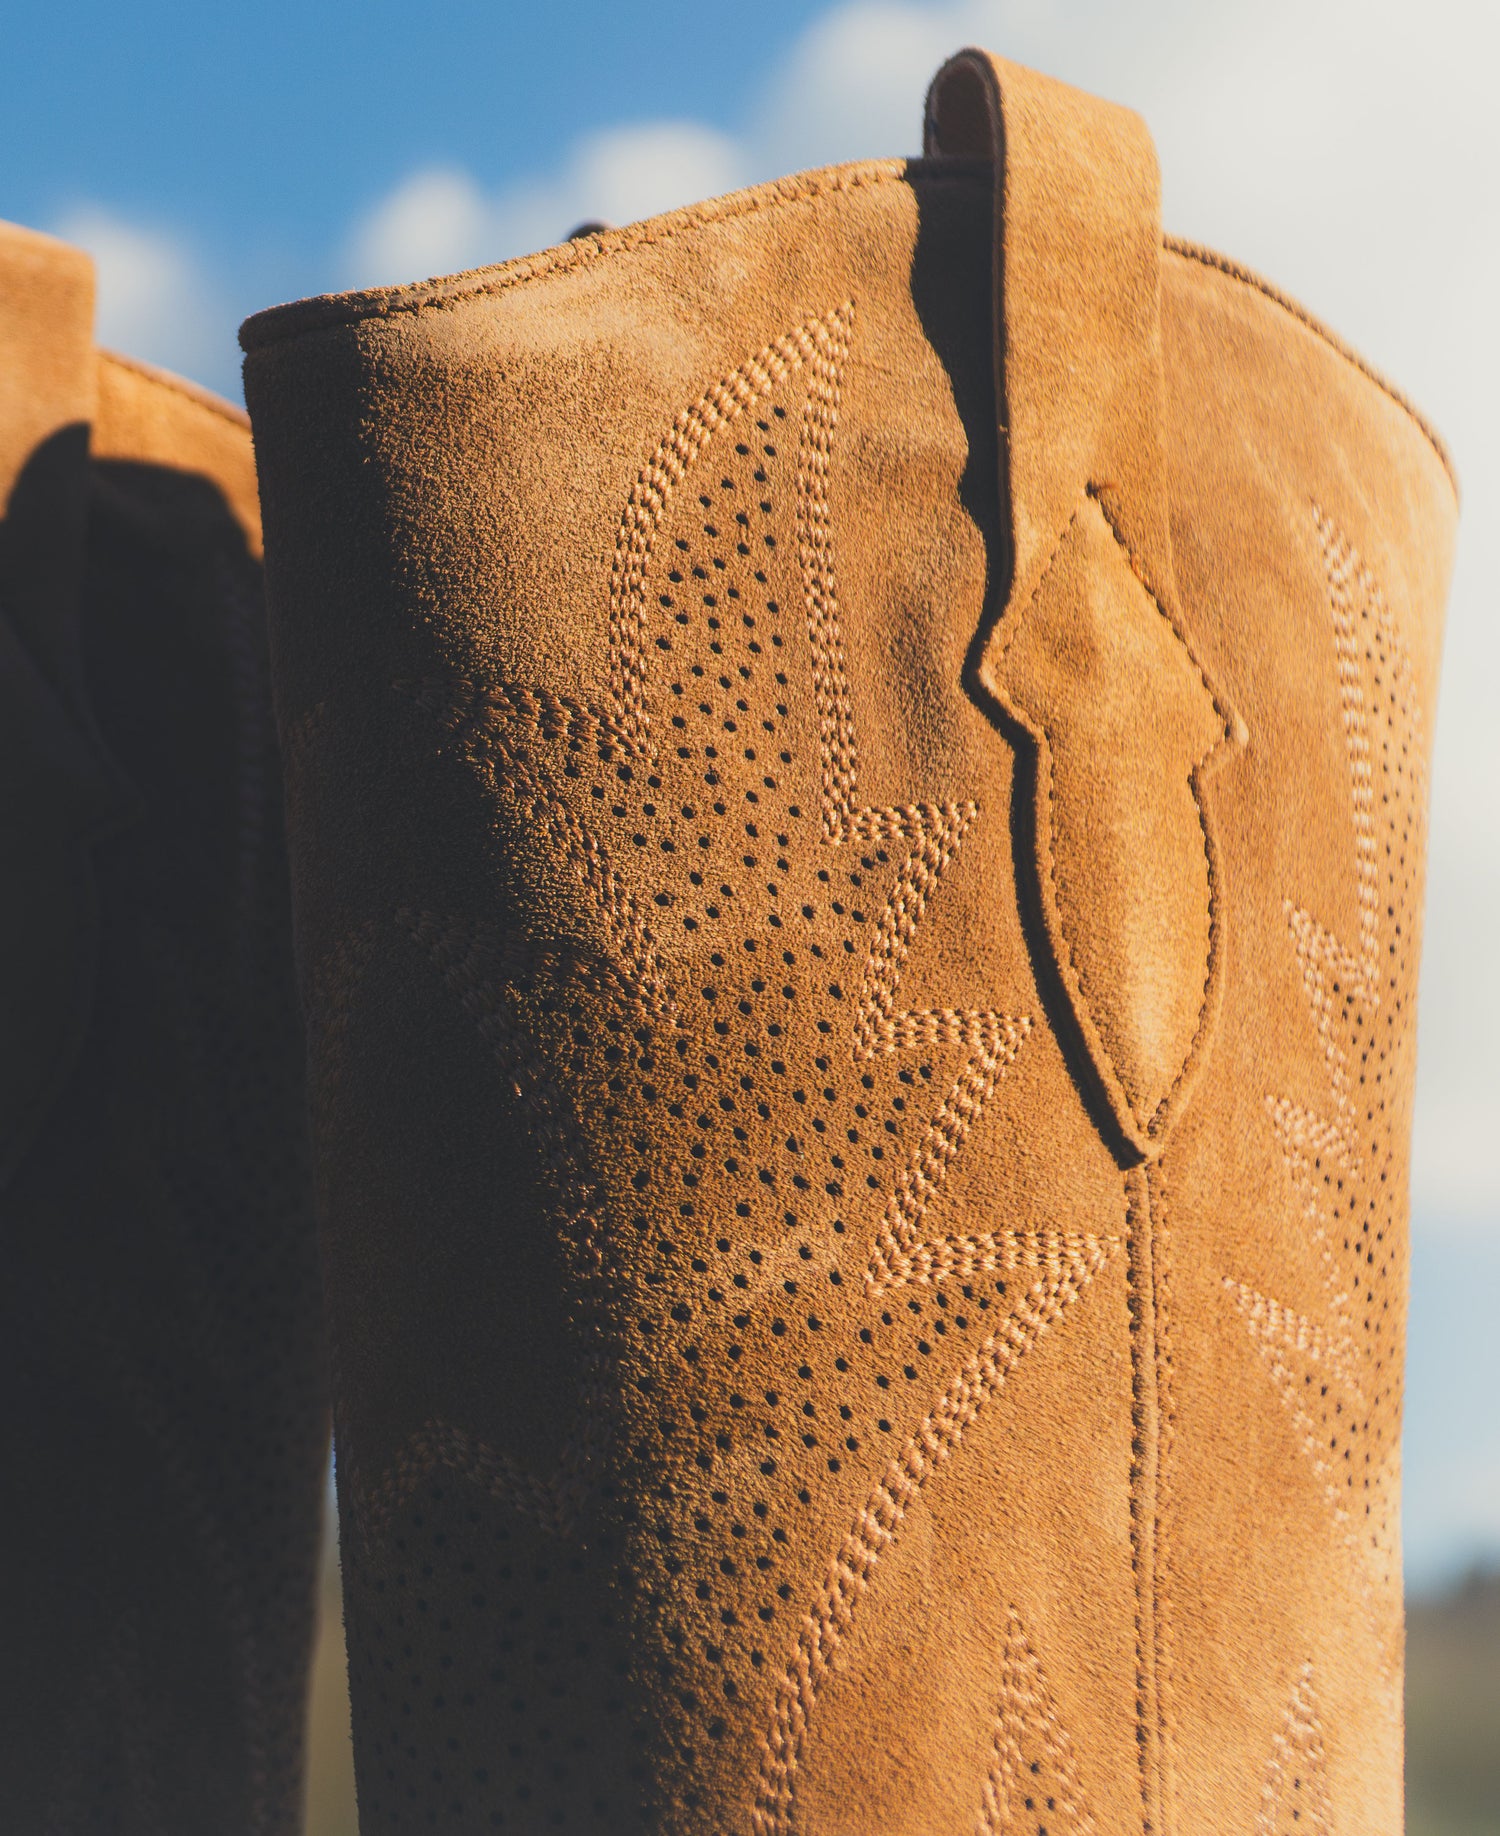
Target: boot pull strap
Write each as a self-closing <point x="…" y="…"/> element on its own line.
<point x="1089" y="656"/>
<point x="1077" y="301"/>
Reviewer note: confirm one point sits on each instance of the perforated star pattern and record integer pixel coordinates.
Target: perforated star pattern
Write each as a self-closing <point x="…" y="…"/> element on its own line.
<point x="1338" y="1370"/>
<point x="747" y="1134"/>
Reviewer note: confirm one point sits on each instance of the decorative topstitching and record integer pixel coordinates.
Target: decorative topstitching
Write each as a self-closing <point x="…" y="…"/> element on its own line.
<point x="1337" y="1370"/>
<point x="675" y="987"/>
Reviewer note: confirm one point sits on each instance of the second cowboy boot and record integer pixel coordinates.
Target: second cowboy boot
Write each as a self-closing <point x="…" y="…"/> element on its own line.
<point x="164" y="1436"/>
<point x="857" y="776"/>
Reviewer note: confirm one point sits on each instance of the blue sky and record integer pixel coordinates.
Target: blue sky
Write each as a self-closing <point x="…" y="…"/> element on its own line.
<point x="263" y="128"/>
<point x="219" y="159"/>
<point x="254" y="136"/>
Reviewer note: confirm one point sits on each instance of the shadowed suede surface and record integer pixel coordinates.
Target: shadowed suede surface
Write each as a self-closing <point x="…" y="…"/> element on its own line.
<point x="856" y="807"/>
<point x="164" y="1432"/>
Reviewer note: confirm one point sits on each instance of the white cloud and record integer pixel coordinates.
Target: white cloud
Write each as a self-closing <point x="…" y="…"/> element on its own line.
<point x="154" y="300"/>
<point x="435" y="222"/>
<point x="645" y="170"/>
<point x="853" y="85"/>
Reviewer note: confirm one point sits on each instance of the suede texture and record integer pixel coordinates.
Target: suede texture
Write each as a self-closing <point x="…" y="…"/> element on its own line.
<point x="165" y="1432"/>
<point x="855" y="769"/>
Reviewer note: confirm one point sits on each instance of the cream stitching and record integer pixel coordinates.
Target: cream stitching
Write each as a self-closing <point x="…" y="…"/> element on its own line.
<point x="1281" y="1330"/>
<point x="285" y="324"/>
<point x="851" y="1573"/>
<point x="815" y="551"/>
<point x="665" y="470"/>
<point x="1349" y="582"/>
<point x="934" y="832"/>
<point x="899" y="1255"/>
<point x="579" y="740"/>
<point x="1027" y="1721"/>
<point x="1294" y="1795"/>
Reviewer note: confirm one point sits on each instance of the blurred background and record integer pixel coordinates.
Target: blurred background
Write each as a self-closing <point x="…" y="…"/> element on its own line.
<point x="218" y="159"/>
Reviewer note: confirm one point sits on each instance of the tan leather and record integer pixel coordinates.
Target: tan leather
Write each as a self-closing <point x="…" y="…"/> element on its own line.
<point x="164" y="1431"/>
<point x="1089" y="657"/>
<point x="858" y="916"/>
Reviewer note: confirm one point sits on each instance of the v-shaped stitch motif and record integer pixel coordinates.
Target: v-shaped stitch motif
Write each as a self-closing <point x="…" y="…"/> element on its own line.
<point x="498" y="726"/>
<point x="1337" y="1371"/>
<point x="1294" y="1795"/>
<point x="1032" y="1787"/>
<point x="1061" y="1267"/>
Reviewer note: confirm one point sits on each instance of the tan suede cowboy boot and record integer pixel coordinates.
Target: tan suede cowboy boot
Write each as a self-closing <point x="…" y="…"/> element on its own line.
<point x="857" y="766"/>
<point x="163" y="1436"/>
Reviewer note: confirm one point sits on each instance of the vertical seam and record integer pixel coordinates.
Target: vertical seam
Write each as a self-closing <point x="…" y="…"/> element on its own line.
<point x="1140" y="1300"/>
<point x="1166" y="1433"/>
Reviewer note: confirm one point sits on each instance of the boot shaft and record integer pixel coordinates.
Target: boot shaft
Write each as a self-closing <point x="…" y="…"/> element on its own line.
<point x="857" y="776"/>
<point x="165" y="1437"/>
